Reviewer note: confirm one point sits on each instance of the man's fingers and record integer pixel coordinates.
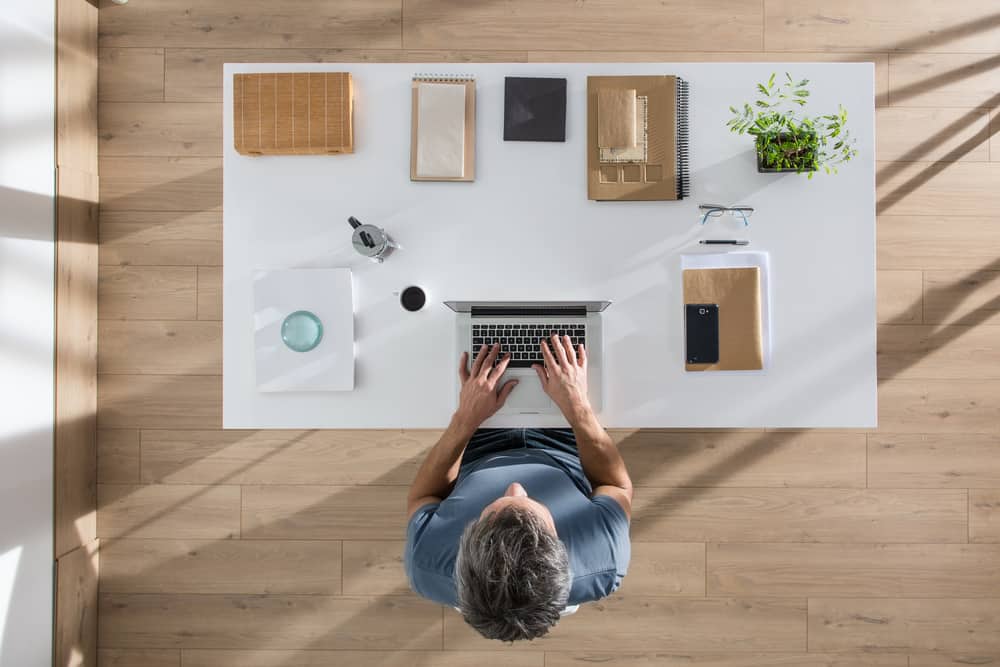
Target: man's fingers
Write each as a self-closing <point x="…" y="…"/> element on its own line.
<point x="478" y="363"/>
<point x="491" y="358"/>
<point x="500" y="368"/>
<point x="559" y="349"/>
<point x="567" y="344"/>
<point x="550" y="361"/>
<point x="505" y="390"/>
<point x="582" y="356"/>
<point x="463" y="370"/>
<point x="542" y="375"/>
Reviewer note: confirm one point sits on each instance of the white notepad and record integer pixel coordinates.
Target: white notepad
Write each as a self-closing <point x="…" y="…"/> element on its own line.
<point x="327" y="293"/>
<point x="441" y="130"/>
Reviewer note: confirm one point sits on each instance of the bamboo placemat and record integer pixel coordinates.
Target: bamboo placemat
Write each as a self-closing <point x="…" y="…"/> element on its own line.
<point x="302" y="113"/>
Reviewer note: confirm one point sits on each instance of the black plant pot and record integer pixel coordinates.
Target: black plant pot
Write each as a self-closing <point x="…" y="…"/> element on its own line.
<point x="762" y="169"/>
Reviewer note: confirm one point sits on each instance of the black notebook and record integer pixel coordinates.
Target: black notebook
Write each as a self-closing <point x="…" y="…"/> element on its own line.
<point x="534" y="109"/>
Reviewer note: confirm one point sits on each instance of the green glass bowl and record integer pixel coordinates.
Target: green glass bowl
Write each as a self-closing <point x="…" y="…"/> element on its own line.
<point x="302" y="331"/>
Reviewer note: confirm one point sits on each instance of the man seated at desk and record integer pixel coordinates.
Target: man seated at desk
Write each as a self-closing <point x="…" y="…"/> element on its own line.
<point x="515" y="527"/>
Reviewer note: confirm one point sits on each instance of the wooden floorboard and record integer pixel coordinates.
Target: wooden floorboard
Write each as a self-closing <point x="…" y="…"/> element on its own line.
<point x="750" y="548"/>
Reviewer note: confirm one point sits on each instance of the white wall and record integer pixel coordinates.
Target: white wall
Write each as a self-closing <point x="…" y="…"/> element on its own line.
<point x="27" y="254"/>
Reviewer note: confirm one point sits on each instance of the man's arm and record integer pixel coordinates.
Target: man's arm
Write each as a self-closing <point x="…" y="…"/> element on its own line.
<point x="478" y="401"/>
<point x="564" y="378"/>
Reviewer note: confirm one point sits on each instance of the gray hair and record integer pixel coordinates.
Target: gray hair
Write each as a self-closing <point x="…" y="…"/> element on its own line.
<point x="512" y="575"/>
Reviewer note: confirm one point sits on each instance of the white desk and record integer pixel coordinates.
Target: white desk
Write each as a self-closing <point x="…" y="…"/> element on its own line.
<point x="526" y="230"/>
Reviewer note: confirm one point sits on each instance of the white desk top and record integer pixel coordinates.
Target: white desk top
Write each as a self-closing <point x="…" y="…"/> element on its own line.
<point x="526" y="230"/>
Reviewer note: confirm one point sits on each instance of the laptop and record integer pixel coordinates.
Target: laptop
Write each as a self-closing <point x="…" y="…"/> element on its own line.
<point x="519" y="326"/>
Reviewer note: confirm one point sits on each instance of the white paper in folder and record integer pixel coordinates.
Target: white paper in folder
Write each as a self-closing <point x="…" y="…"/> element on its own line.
<point x="441" y="130"/>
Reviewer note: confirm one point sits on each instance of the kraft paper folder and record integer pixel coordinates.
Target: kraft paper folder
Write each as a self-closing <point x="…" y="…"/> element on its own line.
<point x="614" y="128"/>
<point x="738" y="282"/>
<point x="293" y="113"/>
<point x="443" y="128"/>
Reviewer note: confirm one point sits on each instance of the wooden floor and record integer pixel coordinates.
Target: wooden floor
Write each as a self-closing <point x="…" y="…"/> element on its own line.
<point x="751" y="549"/>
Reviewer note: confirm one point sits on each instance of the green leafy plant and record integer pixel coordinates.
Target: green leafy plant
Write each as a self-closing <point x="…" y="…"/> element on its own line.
<point x="786" y="139"/>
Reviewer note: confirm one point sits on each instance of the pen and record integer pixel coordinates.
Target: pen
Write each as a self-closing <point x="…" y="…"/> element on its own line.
<point x="724" y="242"/>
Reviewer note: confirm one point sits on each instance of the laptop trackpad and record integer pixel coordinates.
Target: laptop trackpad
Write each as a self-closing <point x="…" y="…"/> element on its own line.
<point x="527" y="396"/>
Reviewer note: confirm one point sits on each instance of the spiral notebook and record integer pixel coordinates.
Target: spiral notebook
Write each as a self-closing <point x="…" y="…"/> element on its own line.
<point x="443" y="128"/>
<point x="637" y="138"/>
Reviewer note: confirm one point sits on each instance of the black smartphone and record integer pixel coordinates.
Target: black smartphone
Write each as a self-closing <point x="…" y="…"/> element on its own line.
<point x="702" y="332"/>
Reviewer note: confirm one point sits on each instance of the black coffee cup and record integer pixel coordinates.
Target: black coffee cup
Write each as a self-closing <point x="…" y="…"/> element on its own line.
<point x="413" y="298"/>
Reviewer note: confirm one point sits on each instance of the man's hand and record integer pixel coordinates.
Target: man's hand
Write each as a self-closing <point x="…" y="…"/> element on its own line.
<point x="564" y="376"/>
<point x="479" y="399"/>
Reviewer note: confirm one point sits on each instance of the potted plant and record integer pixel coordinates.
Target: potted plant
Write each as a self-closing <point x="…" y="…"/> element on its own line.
<point x="789" y="141"/>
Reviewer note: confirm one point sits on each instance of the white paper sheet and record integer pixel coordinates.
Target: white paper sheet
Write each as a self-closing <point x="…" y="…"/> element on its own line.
<point x="440" y="130"/>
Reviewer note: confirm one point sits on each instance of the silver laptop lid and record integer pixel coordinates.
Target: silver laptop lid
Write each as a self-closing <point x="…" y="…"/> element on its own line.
<point x="527" y="308"/>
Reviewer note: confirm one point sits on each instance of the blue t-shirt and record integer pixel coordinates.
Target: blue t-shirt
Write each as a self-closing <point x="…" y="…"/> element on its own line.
<point x="594" y="530"/>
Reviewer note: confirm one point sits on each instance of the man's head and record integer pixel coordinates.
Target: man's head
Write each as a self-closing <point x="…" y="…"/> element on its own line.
<point x="512" y="571"/>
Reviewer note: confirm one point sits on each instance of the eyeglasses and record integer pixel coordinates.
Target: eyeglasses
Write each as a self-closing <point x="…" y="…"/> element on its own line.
<point x="717" y="211"/>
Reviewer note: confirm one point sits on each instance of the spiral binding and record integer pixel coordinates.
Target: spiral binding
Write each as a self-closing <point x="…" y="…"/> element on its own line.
<point x="683" y="170"/>
<point x="444" y="78"/>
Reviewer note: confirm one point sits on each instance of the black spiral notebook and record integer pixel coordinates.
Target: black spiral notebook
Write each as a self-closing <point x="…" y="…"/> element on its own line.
<point x="648" y="116"/>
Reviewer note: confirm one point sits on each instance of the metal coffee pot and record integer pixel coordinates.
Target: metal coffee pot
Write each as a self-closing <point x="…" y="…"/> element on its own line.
<point x="370" y="241"/>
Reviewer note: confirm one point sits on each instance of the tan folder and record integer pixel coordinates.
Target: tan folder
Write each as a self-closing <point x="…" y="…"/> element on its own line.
<point x="737" y="291"/>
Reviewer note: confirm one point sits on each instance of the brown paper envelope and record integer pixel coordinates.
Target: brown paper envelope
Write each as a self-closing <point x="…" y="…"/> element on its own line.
<point x="616" y="118"/>
<point x="737" y="291"/>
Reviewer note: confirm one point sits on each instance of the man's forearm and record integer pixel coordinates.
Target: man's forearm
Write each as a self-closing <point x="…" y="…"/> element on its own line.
<point x="602" y="463"/>
<point x="440" y="469"/>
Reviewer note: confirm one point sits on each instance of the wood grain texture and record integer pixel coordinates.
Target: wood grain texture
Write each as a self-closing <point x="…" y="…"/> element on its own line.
<point x="938" y="352"/>
<point x="619" y="659"/>
<point x="951" y="243"/>
<point x="660" y="624"/>
<point x="130" y="75"/>
<point x="181" y="512"/>
<point x="118" y="456"/>
<point x="324" y="512"/>
<point x="939" y="406"/>
<point x="899" y="626"/>
<point x="194" y="75"/>
<point x="130" y="657"/>
<point x="854" y="570"/>
<point x="271" y="621"/>
<point x="284" y="457"/>
<point x="959" y="660"/>
<point x="260" y="567"/>
<point x="76" y="294"/>
<point x="984" y="515"/>
<point x="314" y="658"/>
<point x="945" y="461"/>
<point x="937" y="188"/>
<point x="161" y="348"/>
<point x="147" y="292"/>
<point x="664" y="458"/>
<point x="899" y="297"/>
<point x="76" y="580"/>
<point x="161" y="238"/>
<point x="159" y="401"/>
<point x="932" y="134"/>
<point x="298" y="23"/>
<point x="76" y="86"/>
<point x="210" y="293"/>
<point x="374" y="568"/>
<point x="561" y="24"/>
<point x="944" y="79"/>
<point x="799" y="515"/>
<point x="963" y="297"/>
<point x="925" y="25"/>
<point x="157" y="128"/>
<point x="160" y="183"/>
<point x="667" y="569"/>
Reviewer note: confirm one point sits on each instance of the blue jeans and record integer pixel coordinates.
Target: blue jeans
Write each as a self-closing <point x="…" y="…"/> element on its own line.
<point x="486" y="441"/>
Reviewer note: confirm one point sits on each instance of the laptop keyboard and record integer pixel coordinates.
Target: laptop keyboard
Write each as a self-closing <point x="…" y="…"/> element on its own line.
<point x="522" y="340"/>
